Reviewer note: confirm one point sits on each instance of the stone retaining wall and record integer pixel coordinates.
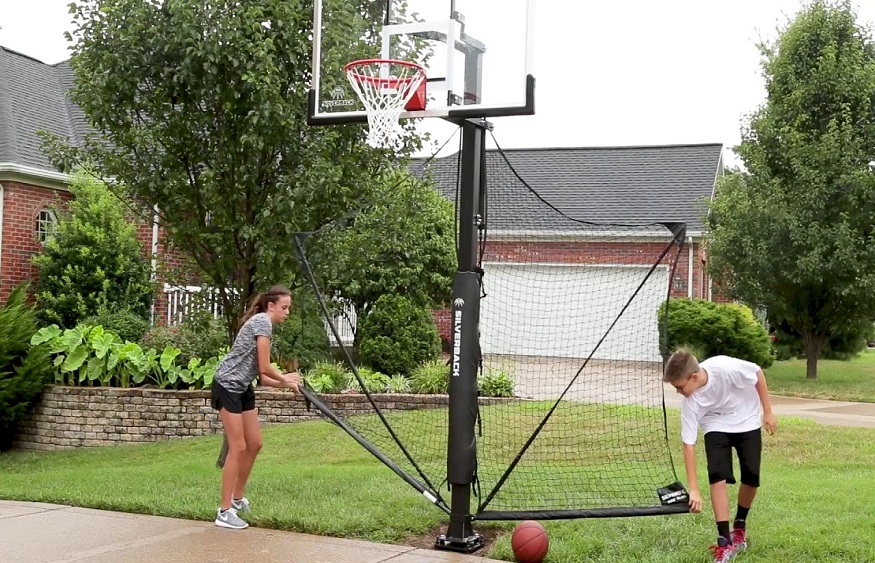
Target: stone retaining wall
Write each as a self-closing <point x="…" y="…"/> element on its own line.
<point x="69" y="417"/>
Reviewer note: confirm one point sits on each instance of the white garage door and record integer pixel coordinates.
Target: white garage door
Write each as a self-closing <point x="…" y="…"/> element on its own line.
<point x="564" y="310"/>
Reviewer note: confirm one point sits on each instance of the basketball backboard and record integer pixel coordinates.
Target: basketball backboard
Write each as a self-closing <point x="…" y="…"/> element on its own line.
<point x="477" y="55"/>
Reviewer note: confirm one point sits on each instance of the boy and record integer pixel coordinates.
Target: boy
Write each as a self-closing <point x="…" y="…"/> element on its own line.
<point x="724" y="396"/>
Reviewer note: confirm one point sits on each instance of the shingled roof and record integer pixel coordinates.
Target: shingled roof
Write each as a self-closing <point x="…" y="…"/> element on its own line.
<point x="633" y="185"/>
<point x="33" y="98"/>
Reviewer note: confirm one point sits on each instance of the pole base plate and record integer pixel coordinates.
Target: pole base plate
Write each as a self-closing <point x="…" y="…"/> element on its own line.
<point x="462" y="545"/>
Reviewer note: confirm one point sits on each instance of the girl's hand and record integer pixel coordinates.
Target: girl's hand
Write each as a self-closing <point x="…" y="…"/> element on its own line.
<point x="293" y="381"/>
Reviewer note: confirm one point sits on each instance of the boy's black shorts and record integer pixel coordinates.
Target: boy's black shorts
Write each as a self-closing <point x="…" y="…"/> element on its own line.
<point x="233" y="402"/>
<point x="718" y="450"/>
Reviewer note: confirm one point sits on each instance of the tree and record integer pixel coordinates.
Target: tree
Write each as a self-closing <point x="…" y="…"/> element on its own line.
<point x="402" y="244"/>
<point x="94" y="261"/>
<point x="200" y="109"/>
<point x="795" y="234"/>
<point x="24" y="369"/>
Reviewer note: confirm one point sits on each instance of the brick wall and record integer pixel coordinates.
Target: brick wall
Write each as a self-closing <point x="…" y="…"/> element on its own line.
<point x="442" y="319"/>
<point x="69" y="417"/>
<point x="21" y="206"/>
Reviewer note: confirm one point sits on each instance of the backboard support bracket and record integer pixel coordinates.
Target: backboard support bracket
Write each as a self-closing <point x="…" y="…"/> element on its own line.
<point x="452" y="114"/>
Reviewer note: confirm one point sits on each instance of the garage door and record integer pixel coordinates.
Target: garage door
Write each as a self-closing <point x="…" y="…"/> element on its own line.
<point x="564" y="310"/>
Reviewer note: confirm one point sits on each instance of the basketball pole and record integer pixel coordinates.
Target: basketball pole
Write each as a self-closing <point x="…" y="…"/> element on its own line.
<point x="465" y="353"/>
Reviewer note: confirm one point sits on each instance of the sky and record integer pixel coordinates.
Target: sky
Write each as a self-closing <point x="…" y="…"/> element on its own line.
<point x="627" y="72"/>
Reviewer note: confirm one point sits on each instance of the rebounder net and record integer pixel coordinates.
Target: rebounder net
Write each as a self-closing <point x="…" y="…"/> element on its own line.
<point x="571" y="418"/>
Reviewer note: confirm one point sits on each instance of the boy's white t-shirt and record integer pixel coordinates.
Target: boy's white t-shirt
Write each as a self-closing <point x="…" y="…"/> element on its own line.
<point x="728" y="402"/>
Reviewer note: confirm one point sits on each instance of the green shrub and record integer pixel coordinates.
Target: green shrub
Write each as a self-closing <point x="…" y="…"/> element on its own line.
<point x="374" y="381"/>
<point x="398" y="384"/>
<point x="159" y="337"/>
<point x="24" y="369"/>
<point x="302" y="335"/>
<point x="203" y="336"/>
<point x="715" y="329"/>
<point x="397" y="335"/>
<point x="94" y="259"/>
<point x="327" y="377"/>
<point x="196" y="338"/>
<point x="124" y="322"/>
<point x="431" y="378"/>
<point x="496" y="383"/>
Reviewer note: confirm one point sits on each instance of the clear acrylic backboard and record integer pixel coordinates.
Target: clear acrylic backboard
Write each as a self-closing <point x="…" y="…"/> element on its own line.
<point x="477" y="55"/>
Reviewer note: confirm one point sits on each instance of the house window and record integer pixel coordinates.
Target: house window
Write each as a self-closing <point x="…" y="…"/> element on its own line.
<point x="46" y="224"/>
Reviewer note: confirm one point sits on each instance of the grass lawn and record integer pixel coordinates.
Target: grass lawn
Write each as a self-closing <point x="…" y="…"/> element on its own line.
<point x="815" y="504"/>
<point x="853" y="380"/>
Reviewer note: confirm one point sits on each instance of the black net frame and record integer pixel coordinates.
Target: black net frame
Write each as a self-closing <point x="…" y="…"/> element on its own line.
<point x="572" y="484"/>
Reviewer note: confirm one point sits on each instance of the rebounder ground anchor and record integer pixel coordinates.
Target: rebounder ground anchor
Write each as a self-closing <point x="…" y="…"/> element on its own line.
<point x="468" y="544"/>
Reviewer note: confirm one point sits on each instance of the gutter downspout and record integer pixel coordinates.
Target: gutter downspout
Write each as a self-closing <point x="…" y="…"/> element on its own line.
<point x="154" y="276"/>
<point x="2" y="197"/>
<point x="690" y="269"/>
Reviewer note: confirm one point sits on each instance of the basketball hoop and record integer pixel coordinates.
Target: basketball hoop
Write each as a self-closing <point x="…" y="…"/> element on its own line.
<point x="385" y="86"/>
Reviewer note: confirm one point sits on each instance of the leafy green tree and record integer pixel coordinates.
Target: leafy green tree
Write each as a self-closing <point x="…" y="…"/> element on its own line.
<point x="24" y="369"/>
<point x="403" y="244"/>
<point x="200" y="109"/>
<point x="795" y="234"/>
<point x="94" y="262"/>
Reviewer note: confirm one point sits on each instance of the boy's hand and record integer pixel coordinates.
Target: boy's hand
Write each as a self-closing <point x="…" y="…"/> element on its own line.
<point x="770" y="422"/>
<point x="293" y="381"/>
<point x="695" y="501"/>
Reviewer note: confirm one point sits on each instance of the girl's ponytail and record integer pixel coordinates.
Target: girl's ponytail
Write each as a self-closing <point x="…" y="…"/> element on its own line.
<point x="254" y="308"/>
<point x="259" y="303"/>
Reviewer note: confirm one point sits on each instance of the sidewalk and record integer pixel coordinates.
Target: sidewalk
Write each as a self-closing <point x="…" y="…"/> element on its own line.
<point x="834" y="413"/>
<point x="51" y="533"/>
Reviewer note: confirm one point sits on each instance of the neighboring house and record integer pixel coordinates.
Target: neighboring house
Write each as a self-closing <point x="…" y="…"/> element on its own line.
<point x="33" y="98"/>
<point x="539" y="265"/>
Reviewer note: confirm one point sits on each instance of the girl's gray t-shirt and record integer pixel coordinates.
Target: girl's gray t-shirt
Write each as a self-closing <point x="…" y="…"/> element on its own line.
<point x="239" y="368"/>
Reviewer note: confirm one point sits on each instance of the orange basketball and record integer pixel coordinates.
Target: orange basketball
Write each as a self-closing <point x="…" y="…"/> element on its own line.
<point x="529" y="542"/>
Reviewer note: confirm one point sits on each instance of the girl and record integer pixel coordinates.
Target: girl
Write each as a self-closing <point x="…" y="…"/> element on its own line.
<point x="234" y="397"/>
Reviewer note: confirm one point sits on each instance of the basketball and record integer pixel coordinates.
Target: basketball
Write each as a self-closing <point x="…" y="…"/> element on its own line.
<point x="529" y="542"/>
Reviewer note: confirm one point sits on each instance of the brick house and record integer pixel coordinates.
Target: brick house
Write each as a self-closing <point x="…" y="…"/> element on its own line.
<point x="559" y="271"/>
<point x="32" y="99"/>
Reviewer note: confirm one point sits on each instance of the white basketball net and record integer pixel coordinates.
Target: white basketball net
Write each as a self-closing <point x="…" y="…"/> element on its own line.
<point x="385" y="87"/>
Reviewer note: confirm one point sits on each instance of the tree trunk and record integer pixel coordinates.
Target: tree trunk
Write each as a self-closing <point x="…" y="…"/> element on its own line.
<point x="813" y="346"/>
<point x="811" y="364"/>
